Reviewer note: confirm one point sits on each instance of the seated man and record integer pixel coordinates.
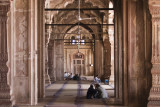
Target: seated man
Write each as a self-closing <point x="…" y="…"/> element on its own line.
<point x="71" y="76"/>
<point x="102" y="93"/>
<point x="97" y="80"/>
<point x="65" y="75"/>
<point x="91" y="92"/>
<point x="76" y="77"/>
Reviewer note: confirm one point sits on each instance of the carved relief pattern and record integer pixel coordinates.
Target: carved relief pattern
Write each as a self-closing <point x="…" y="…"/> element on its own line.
<point x="155" y="19"/>
<point x="154" y="10"/>
<point x="22" y="34"/>
<point x="4" y="88"/>
<point x="155" y="43"/>
<point x="154" y="97"/>
<point x="50" y="61"/>
<point x="156" y="79"/>
<point x="21" y="39"/>
<point x="155" y="69"/>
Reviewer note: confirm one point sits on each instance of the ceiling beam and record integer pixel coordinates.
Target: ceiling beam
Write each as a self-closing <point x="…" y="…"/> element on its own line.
<point x="78" y="24"/>
<point x="73" y="9"/>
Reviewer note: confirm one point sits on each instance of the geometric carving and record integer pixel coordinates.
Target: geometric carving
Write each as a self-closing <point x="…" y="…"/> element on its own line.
<point x="21" y="67"/>
<point x="21" y="54"/>
<point x="154" y="97"/>
<point x="23" y="33"/>
<point x="4" y="88"/>
<point x="22" y="50"/>
<point x="154" y="10"/>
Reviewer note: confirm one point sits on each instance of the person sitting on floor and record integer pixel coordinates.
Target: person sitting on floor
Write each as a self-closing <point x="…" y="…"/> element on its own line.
<point x="71" y="76"/>
<point x="65" y="75"/>
<point x="97" y="80"/>
<point x="76" y="77"/>
<point x="101" y="92"/>
<point x="91" y="92"/>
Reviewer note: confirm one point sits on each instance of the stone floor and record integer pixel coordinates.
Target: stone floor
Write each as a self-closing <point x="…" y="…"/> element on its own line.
<point x="72" y="94"/>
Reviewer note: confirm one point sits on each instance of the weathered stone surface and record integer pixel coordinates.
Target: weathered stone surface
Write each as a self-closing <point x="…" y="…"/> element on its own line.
<point x="137" y="69"/>
<point x="26" y="64"/>
<point x="154" y="97"/>
<point x="4" y="87"/>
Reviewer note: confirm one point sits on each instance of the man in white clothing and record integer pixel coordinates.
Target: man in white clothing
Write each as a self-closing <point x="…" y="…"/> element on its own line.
<point x="97" y="80"/>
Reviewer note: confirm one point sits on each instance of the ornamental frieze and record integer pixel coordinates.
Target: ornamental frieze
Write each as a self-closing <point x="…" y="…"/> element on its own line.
<point x="155" y="69"/>
<point x="154" y="10"/>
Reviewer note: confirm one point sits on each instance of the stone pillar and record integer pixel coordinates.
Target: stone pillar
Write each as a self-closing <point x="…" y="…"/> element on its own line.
<point x="107" y="59"/>
<point x="47" y="37"/>
<point x="154" y="97"/>
<point x="59" y="59"/>
<point x="98" y="58"/>
<point x="4" y="87"/>
<point x="137" y="89"/>
<point x="27" y="50"/>
<point x="47" y="77"/>
<point x="51" y="61"/>
<point x="107" y="46"/>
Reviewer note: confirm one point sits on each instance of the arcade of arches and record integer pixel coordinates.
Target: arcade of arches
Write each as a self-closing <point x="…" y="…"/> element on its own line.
<point x="116" y="39"/>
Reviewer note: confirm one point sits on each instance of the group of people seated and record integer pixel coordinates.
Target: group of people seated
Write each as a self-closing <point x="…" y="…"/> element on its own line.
<point x="97" y="92"/>
<point x="68" y="76"/>
<point x="94" y="91"/>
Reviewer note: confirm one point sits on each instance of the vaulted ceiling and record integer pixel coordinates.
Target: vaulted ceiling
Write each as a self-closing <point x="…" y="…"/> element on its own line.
<point x="71" y="16"/>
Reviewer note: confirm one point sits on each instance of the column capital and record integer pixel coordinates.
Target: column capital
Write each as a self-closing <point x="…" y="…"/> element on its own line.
<point x="154" y="7"/>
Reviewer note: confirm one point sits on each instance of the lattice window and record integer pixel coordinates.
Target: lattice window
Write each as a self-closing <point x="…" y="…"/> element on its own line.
<point x="78" y="61"/>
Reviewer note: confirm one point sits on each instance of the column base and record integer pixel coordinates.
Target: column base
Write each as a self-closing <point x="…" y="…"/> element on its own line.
<point x="52" y="80"/>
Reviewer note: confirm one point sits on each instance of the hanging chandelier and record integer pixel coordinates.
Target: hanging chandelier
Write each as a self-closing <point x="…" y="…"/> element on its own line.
<point x="80" y="19"/>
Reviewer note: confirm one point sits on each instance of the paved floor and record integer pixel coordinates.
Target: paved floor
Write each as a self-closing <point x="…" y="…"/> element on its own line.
<point x="72" y="94"/>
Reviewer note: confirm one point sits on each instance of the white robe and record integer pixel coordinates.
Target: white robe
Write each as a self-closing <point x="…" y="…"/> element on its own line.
<point x="104" y="93"/>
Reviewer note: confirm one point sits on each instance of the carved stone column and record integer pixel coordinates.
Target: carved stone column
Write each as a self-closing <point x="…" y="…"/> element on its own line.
<point x="99" y="58"/>
<point x="47" y="78"/>
<point x="27" y="49"/>
<point x="137" y="86"/>
<point x="107" y="61"/>
<point x="51" y="61"/>
<point x="59" y="59"/>
<point x="154" y="97"/>
<point x="4" y="88"/>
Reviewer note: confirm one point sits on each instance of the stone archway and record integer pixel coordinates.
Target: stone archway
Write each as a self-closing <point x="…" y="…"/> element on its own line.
<point x="99" y="49"/>
<point x="18" y="52"/>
